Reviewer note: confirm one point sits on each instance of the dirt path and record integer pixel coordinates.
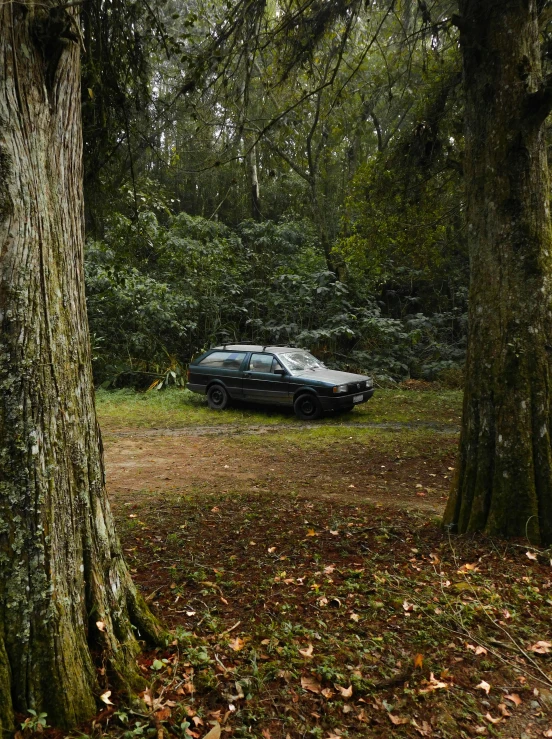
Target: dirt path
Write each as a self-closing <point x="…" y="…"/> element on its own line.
<point x="212" y="460"/>
<point x="234" y="429"/>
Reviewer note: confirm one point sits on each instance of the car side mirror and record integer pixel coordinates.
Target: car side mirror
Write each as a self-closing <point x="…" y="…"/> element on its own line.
<point x="280" y="371"/>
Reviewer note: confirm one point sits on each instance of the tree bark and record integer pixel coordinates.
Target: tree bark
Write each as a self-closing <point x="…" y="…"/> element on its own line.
<point x="503" y="482"/>
<point x="61" y="564"/>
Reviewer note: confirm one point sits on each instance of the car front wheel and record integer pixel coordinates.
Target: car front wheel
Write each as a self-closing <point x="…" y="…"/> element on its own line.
<point x="217" y="398"/>
<point x="307" y="407"/>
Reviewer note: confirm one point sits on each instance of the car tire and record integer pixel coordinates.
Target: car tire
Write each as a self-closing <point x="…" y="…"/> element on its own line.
<point x="217" y="398"/>
<point x="307" y="407"/>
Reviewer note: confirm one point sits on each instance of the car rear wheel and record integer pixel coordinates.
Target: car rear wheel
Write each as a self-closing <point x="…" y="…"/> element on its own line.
<point x="217" y="398"/>
<point x="307" y="407"/>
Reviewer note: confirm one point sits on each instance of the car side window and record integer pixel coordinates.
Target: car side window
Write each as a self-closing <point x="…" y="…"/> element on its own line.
<point x="223" y="360"/>
<point x="261" y="363"/>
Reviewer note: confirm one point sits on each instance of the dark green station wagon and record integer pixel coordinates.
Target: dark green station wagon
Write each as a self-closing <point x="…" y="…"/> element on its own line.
<point x="275" y="375"/>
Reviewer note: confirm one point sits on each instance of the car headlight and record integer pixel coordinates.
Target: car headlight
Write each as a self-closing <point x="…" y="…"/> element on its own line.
<point x="340" y="389"/>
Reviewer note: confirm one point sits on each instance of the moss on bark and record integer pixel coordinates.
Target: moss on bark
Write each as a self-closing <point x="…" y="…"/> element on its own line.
<point x="61" y="563"/>
<point x="503" y="484"/>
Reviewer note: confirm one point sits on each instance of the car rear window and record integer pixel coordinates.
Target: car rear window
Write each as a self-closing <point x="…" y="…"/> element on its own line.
<point x="223" y="360"/>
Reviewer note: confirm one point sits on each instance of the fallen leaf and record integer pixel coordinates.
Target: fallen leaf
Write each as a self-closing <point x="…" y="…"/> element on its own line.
<point x="425" y="729"/>
<point x="100" y="625"/>
<point x="547" y="733"/>
<point x="504" y="710"/>
<point x="484" y="686"/>
<point x="329" y="569"/>
<point x="237" y="644"/>
<point x="354" y="617"/>
<point x="271" y="550"/>
<point x="513" y="698"/>
<point x="327" y="693"/>
<point x="214" y="733"/>
<point x="307" y="652"/>
<point x="492" y="719"/>
<point x="311" y="532"/>
<point x="476" y="649"/>
<point x="541" y="647"/>
<point x="345" y="692"/>
<point x="347" y="708"/>
<point x="418" y="661"/>
<point x="105" y="698"/>
<point x="266" y="734"/>
<point x="468" y="568"/>
<point x="311" y="684"/>
<point x="433" y="684"/>
<point x="398" y="720"/>
<point x="531" y="555"/>
<point x="408" y="606"/>
<point x="323" y="601"/>
<point x="163" y="714"/>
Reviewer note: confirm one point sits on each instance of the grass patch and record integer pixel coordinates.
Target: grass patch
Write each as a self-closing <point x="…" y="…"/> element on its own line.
<point x="180" y="408"/>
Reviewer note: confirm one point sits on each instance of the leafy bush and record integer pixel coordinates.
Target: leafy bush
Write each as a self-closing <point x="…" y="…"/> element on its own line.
<point x="159" y="294"/>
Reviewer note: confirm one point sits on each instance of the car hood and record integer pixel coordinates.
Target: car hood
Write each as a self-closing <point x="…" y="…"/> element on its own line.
<point x="332" y="377"/>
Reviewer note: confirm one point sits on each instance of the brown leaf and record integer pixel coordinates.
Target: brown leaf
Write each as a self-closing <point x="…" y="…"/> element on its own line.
<point x="531" y="555"/>
<point x="541" y="647"/>
<point x="327" y="693"/>
<point x="345" y="692"/>
<point x="504" y="710"/>
<point x="492" y="719"/>
<point x="105" y="698"/>
<point x="513" y="698"/>
<point x="484" y="686"/>
<point x="266" y="733"/>
<point x="310" y="683"/>
<point x="307" y="652"/>
<point x="100" y="625"/>
<point x="163" y="714"/>
<point x="214" y="733"/>
<point x="398" y="720"/>
<point x="237" y="644"/>
<point x="419" y="661"/>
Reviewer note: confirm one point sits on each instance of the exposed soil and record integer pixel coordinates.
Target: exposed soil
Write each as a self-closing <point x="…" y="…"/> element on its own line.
<point x="361" y="472"/>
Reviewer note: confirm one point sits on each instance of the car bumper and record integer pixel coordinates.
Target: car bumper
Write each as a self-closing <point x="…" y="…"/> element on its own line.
<point x="196" y="388"/>
<point x="338" y="402"/>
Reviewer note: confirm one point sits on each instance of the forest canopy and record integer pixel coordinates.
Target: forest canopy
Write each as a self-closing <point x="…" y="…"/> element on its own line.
<point x="309" y="190"/>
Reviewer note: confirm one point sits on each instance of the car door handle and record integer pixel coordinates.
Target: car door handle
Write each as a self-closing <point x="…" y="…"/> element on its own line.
<point x="247" y="374"/>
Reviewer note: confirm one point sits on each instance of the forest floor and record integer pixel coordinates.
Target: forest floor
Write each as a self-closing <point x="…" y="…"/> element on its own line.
<point x="308" y="584"/>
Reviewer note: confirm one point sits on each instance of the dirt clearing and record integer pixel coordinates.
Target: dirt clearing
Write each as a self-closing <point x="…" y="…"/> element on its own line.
<point x="406" y="468"/>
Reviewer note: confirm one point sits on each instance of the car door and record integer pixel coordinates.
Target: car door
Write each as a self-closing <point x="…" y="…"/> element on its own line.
<point x="224" y="366"/>
<point x="262" y="384"/>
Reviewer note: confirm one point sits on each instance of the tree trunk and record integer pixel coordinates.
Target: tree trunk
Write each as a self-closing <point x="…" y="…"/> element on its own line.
<point x="503" y="482"/>
<point x="61" y="564"/>
<point x="254" y="187"/>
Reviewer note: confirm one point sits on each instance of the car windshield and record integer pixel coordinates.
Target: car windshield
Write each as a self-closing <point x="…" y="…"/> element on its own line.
<point x="300" y="360"/>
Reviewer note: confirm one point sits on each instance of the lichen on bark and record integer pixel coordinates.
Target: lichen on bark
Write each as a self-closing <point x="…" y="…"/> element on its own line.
<point x="61" y="564"/>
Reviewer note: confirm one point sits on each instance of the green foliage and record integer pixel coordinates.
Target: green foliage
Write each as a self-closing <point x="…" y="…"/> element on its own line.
<point x="158" y="294"/>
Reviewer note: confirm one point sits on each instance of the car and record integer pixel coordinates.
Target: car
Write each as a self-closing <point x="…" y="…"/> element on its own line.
<point x="275" y="375"/>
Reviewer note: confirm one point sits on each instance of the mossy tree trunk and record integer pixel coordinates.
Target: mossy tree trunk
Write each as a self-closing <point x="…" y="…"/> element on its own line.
<point x="61" y="564"/>
<point x="503" y="483"/>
